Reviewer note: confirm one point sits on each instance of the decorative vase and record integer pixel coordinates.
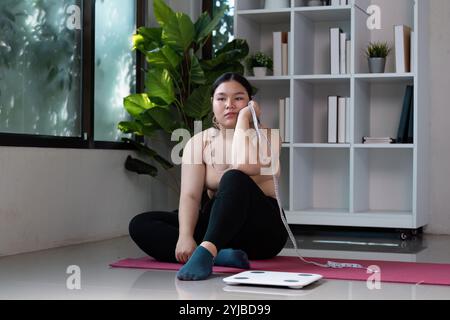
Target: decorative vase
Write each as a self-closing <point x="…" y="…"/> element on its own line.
<point x="377" y="65"/>
<point x="314" y="3"/>
<point x="277" y="4"/>
<point x="260" y="72"/>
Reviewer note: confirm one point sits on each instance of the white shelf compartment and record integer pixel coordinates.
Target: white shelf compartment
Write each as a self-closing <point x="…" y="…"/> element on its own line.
<point x="392" y="13"/>
<point x="383" y="182"/>
<point x="325" y="13"/>
<point x="312" y="37"/>
<point x="378" y="106"/>
<point x="257" y="27"/>
<point x="269" y="93"/>
<point x="310" y="107"/>
<point x="266" y="16"/>
<point x="257" y="5"/>
<point x="321" y="180"/>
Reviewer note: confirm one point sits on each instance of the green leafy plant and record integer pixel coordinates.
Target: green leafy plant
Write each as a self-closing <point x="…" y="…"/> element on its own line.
<point x="378" y="50"/>
<point x="178" y="82"/>
<point x="259" y="59"/>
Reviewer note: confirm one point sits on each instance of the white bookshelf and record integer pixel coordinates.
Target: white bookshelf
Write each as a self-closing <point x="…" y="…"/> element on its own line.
<point x="354" y="184"/>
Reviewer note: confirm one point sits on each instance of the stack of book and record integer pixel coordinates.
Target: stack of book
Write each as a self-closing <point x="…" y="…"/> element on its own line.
<point x="340" y="51"/>
<point x="339" y="2"/>
<point x="281" y="42"/>
<point x="380" y="140"/>
<point x="338" y="119"/>
<point x="284" y="112"/>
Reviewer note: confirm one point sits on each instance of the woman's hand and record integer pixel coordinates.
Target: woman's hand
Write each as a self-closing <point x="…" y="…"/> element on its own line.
<point x="246" y="112"/>
<point x="185" y="247"/>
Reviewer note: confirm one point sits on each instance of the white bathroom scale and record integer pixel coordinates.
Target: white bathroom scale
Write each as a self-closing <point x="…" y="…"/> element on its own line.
<point x="270" y="278"/>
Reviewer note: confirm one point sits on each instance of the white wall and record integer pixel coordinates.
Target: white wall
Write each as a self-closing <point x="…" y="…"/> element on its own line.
<point x="58" y="197"/>
<point x="440" y="116"/>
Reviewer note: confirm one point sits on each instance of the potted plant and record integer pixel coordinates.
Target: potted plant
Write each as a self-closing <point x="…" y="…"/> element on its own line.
<point x="259" y="63"/>
<point x="177" y="82"/>
<point x="377" y="53"/>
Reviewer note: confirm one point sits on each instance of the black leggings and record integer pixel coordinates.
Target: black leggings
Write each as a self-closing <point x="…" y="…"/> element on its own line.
<point x="239" y="216"/>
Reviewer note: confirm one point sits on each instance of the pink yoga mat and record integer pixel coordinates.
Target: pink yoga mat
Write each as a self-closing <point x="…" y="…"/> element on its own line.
<point x="397" y="272"/>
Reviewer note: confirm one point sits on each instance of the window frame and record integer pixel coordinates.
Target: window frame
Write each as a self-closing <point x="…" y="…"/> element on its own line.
<point x="86" y="141"/>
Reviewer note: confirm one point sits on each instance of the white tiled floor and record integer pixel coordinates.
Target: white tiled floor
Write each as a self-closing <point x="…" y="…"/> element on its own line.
<point x="42" y="275"/>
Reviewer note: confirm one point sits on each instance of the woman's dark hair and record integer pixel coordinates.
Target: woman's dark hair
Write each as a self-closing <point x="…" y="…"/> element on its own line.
<point x="231" y="76"/>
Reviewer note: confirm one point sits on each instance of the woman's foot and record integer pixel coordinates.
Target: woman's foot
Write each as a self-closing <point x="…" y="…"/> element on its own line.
<point x="232" y="258"/>
<point x="198" y="267"/>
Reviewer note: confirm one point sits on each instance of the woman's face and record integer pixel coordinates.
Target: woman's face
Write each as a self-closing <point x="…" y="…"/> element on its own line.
<point x="229" y="99"/>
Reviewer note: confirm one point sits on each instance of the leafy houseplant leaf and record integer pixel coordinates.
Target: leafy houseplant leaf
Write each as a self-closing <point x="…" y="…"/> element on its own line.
<point x="197" y="74"/>
<point x="205" y="25"/>
<point x="178" y="29"/>
<point x="198" y="105"/>
<point x="136" y="104"/>
<point x="140" y="167"/>
<point x="164" y="58"/>
<point x="179" y="32"/>
<point x="144" y="150"/>
<point x="147" y="39"/>
<point x="234" y="51"/>
<point x="163" y="118"/>
<point x="162" y="12"/>
<point x="160" y="85"/>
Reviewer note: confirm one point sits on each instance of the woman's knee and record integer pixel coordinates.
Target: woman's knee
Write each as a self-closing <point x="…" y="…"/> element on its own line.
<point x="134" y="224"/>
<point x="140" y="222"/>
<point x="234" y="178"/>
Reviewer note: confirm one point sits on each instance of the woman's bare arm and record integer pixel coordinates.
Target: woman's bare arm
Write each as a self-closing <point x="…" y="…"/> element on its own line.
<point x="192" y="182"/>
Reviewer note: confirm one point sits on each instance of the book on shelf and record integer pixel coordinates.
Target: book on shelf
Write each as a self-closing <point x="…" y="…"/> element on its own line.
<point x="332" y="119"/>
<point x="335" y="50"/>
<point x="342" y="53"/>
<point x="406" y="117"/>
<point x="339" y="2"/>
<point x="287" y="121"/>
<point x="410" y="135"/>
<point x="338" y="119"/>
<point x="347" y="123"/>
<point x="378" y="140"/>
<point x="402" y="36"/>
<point x="412" y="51"/>
<point x="342" y="120"/>
<point x="281" y="40"/>
<point x="284" y="119"/>
<point x="348" y="54"/>
<point x="340" y="47"/>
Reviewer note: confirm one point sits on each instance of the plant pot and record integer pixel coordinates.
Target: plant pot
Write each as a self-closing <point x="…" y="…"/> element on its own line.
<point x="377" y="65"/>
<point x="260" y="72"/>
<point x="277" y="4"/>
<point x="314" y="3"/>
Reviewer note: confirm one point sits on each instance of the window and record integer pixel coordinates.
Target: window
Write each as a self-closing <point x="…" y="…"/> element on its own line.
<point x="225" y="31"/>
<point x="40" y="67"/>
<point x="65" y="67"/>
<point x="115" y="65"/>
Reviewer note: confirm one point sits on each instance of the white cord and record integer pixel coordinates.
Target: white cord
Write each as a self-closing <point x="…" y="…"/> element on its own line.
<point x="329" y="264"/>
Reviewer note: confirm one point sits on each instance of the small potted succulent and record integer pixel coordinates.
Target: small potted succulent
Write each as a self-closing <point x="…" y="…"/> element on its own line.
<point x="377" y="53"/>
<point x="259" y="63"/>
